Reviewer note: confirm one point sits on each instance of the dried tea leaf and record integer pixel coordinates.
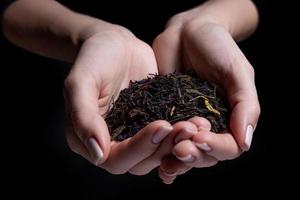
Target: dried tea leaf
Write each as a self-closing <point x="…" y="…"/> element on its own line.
<point x="173" y="97"/>
<point x="210" y="108"/>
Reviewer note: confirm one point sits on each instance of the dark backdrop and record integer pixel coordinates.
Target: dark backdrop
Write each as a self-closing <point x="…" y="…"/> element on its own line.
<point x="40" y="165"/>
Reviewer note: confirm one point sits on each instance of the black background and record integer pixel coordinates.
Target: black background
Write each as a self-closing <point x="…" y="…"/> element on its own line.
<point x="40" y="165"/>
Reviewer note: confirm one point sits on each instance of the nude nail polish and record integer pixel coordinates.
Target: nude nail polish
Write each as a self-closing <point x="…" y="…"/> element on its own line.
<point x="248" y="137"/>
<point x="203" y="146"/>
<point x="188" y="158"/>
<point x="94" y="150"/>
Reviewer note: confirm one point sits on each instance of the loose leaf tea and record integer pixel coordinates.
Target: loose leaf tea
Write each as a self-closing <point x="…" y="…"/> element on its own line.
<point x="173" y="97"/>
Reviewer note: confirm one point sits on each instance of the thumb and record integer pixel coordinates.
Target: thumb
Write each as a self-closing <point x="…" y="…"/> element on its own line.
<point x="81" y="94"/>
<point x="167" y="51"/>
<point x="244" y="115"/>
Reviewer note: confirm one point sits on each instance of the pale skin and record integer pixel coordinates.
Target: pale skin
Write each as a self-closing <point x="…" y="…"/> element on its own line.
<point x="204" y="38"/>
<point x="106" y="56"/>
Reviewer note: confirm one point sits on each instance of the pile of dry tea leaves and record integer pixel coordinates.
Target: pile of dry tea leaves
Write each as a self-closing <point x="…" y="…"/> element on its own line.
<point x="173" y="97"/>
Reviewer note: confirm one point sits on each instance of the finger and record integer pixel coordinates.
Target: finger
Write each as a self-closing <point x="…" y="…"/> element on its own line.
<point x="166" y="178"/>
<point x="171" y="166"/>
<point x="82" y="91"/>
<point x="185" y="128"/>
<point x="243" y="98"/>
<point x="201" y="123"/>
<point x="75" y="144"/>
<point x="166" y="48"/>
<point x="73" y="141"/>
<point x="229" y="68"/>
<point x="243" y="120"/>
<point x="81" y="94"/>
<point x="188" y="153"/>
<point x="126" y="154"/>
<point x="220" y="146"/>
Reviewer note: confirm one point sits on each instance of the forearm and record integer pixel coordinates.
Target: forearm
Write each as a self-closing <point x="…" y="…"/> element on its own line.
<point x="239" y="17"/>
<point x="47" y="28"/>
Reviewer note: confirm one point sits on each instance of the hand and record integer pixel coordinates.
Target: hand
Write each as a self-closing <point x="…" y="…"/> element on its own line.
<point x="204" y="149"/>
<point x="208" y="48"/>
<point x="107" y="61"/>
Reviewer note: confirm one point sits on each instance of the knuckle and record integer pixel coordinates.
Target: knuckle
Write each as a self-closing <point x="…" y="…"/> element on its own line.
<point x="203" y="137"/>
<point x="200" y="122"/>
<point x="184" y="124"/>
<point x="157" y="124"/>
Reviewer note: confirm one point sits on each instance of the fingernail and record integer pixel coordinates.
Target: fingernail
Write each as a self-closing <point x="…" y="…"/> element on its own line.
<point x="203" y="146"/>
<point x="188" y="130"/>
<point x="201" y="128"/>
<point x="161" y="134"/>
<point x="168" y="182"/>
<point x="94" y="149"/>
<point x="171" y="174"/>
<point x="248" y="138"/>
<point x="188" y="158"/>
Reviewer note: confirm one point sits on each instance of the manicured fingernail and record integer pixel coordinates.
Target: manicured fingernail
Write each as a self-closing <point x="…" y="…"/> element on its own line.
<point x="201" y="128"/>
<point x="171" y="174"/>
<point x="161" y="134"/>
<point x="187" y="130"/>
<point x="94" y="149"/>
<point x="188" y="158"/>
<point x="168" y="182"/>
<point x="248" y="138"/>
<point x="203" y="146"/>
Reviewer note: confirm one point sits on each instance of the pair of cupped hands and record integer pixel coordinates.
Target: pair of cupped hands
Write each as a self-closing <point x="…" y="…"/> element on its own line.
<point x="111" y="56"/>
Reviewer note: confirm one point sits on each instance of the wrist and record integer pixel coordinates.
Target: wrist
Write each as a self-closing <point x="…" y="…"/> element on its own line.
<point x="78" y="28"/>
<point x="196" y="17"/>
<point x="95" y="27"/>
<point x="238" y="17"/>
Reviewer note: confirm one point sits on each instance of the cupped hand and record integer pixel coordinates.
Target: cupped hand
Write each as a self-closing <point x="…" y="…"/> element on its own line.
<point x="105" y="64"/>
<point x="203" y="149"/>
<point x="209" y="49"/>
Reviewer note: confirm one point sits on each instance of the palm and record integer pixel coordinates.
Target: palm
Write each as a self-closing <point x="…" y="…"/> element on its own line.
<point x="121" y="64"/>
<point x="104" y="66"/>
<point x="216" y="57"/>
<point x="210" y="50"/>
